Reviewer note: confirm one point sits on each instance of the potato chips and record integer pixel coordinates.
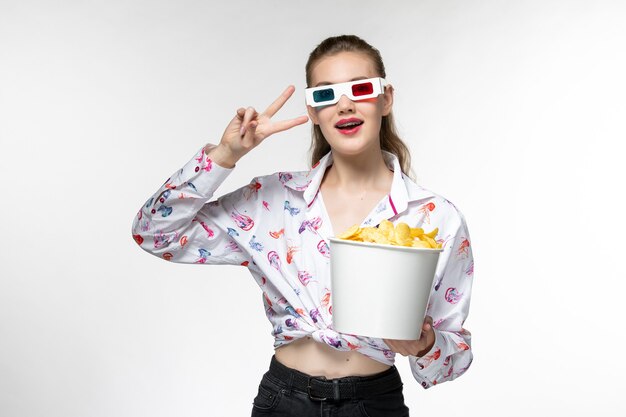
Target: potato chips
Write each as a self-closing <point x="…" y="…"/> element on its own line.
<point x="399" y="235"/>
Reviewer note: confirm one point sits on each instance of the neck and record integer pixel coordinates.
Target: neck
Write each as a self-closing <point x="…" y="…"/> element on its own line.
<point x="354" y="175"/>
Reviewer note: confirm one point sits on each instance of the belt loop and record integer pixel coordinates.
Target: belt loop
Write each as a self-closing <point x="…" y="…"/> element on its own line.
<point x="336" y="391"/>
<point x="353" y="385"/>
<point x="290" y="382"/>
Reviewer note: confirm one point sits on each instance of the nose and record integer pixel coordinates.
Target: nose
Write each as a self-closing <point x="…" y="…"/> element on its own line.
<point x="345" y="105"/>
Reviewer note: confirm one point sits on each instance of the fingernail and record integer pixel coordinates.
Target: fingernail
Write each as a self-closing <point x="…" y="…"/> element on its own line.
<point x="242" y="130"/>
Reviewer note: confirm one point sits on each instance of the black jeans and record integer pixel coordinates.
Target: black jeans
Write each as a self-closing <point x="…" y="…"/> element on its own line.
<point x="282" y="393"/>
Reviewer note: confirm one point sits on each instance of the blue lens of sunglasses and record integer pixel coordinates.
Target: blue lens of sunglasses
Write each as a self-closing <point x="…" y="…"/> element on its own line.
<point x="320" y="96"/>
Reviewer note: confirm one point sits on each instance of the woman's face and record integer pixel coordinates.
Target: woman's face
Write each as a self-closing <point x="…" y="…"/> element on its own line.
<point x="344" y="67"/>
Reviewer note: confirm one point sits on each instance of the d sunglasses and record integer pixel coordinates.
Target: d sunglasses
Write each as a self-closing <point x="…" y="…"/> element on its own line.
<point x="326" y="95"/>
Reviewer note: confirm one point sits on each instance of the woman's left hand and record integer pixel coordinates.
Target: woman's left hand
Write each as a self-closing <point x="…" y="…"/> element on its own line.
<point x="415" y="347"/>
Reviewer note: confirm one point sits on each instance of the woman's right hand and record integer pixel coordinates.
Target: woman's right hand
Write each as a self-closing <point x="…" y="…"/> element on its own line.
<point x="248" y="129"/>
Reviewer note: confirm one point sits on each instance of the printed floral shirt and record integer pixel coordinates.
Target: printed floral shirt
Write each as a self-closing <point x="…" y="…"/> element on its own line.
<point x="278" y="228"/>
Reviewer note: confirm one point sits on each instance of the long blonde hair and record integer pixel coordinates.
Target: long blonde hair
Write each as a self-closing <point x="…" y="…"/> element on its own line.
<point x="389" y="139"/>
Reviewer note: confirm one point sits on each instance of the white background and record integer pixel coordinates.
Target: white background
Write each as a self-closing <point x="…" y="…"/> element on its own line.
<point x="514" y="110"/>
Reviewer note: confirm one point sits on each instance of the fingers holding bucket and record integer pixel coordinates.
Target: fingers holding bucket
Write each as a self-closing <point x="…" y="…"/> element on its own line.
<point x="415" y="347"/>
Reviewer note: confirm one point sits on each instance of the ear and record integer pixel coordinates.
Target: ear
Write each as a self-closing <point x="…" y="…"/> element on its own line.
<point x="312" y="115"/>
<point x="388" y="100"/>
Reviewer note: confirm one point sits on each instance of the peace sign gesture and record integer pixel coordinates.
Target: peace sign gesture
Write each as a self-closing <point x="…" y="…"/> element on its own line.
<point x="248" y="129"/>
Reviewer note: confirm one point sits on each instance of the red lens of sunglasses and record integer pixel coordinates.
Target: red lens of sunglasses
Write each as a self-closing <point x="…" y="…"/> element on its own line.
<point x="362" y="89"/>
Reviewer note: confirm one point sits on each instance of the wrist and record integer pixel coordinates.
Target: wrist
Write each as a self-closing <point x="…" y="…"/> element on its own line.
<point x="220" y="156"/>
<point x="425" y="350"/>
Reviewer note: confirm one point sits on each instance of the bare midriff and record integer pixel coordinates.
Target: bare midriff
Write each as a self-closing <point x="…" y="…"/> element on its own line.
<point x="318" y="359"/>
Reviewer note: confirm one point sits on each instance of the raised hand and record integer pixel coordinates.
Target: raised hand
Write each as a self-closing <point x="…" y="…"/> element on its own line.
<point x="248" y="129"/>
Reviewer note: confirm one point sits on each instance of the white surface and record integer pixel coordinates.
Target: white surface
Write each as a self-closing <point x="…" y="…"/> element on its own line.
<point x="513" y="110"/>
<point x="380" y="290"/>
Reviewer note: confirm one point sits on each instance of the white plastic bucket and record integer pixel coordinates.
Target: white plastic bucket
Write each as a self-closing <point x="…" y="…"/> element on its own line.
<point x="379" y="290"/>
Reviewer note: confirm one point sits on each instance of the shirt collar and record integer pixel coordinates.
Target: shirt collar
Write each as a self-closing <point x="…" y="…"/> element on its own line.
<point x="403" y="189"/>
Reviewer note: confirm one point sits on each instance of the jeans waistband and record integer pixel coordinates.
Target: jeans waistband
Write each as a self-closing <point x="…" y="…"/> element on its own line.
<point x="320" y="388"/>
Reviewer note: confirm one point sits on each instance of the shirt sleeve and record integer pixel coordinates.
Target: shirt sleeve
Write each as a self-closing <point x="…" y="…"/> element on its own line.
<point x="179" y="223"/>
<point x="451" y="354"/>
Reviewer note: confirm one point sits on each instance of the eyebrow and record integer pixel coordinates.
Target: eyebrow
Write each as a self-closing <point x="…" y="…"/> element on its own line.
<point x="328" y="83"/>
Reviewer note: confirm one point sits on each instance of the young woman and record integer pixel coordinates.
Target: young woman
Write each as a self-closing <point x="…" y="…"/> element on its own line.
<point x="278" y="227"/>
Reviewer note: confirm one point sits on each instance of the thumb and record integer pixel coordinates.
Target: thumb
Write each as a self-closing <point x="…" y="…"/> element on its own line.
<point x="428" y="323"/>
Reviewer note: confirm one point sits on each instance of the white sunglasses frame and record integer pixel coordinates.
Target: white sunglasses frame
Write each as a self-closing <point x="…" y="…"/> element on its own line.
<point x="341" y="89"/>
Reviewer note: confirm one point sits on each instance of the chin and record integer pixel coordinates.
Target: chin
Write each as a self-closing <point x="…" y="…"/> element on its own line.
<point x="350" y="146"/>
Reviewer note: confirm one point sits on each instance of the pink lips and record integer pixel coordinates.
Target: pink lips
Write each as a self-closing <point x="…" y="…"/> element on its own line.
<point x="351" y="130"/>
